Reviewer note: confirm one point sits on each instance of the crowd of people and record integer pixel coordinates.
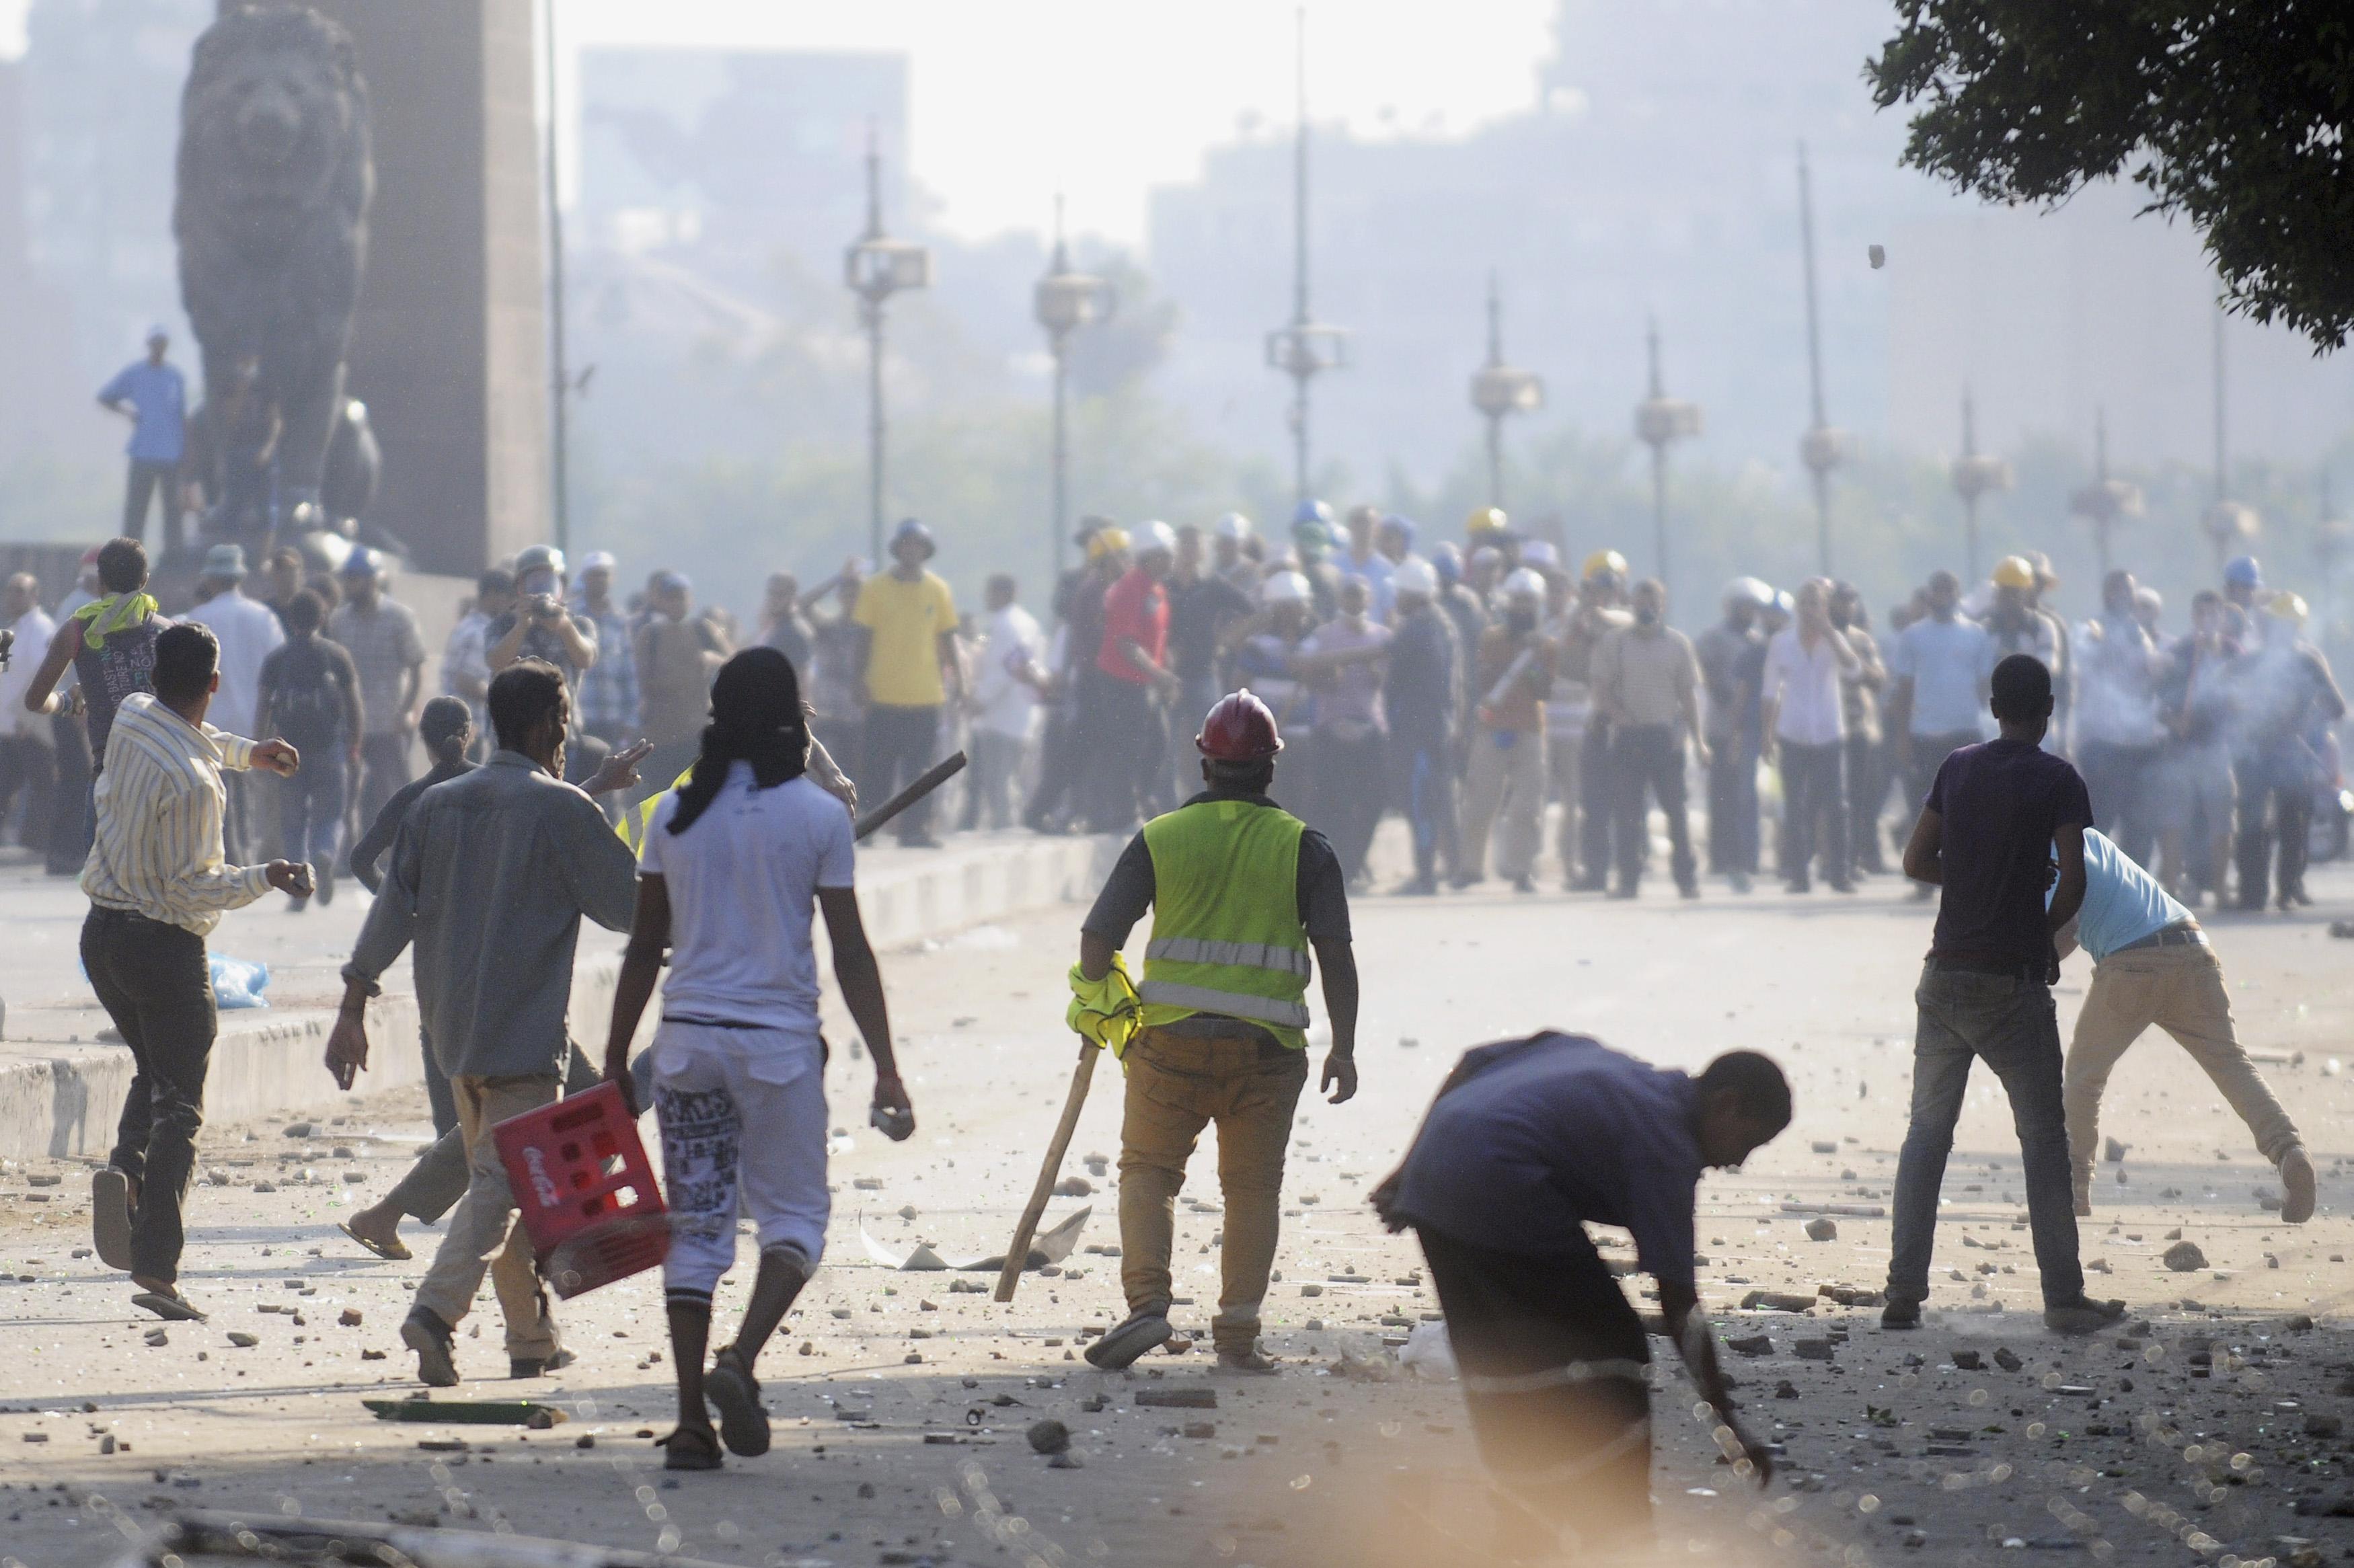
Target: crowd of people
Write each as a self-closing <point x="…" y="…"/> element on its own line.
<point x="1501" y="703"/>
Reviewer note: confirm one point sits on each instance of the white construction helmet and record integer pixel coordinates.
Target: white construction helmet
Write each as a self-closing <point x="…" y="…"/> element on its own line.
<point x="1416" y="576"/>
<point x="1284" y="588"/>
<point x="1233" y="526"/>
<point x="1524" y="583"/>
<point x="1748" y="590"/>
<point x="1154" y="537"/>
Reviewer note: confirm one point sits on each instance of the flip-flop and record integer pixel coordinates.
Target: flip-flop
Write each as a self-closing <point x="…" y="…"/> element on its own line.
<point x="729" y="1385"/>
<point x="690" y="1448"/>
<point x="109" y="1217"/>
<point x="394" y="1251"/>
<point x="171" y="1307"/>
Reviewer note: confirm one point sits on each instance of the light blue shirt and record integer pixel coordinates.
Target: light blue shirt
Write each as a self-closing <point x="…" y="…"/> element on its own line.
<point x="2122" y="903"/>
<point x="1948" y="661"/>
<point x="160" y="397"/>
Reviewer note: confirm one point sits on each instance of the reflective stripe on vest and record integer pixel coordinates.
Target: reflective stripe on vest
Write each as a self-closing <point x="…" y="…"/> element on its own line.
<point x="1240" y="955"/>
<point x="1233" y="1004"/>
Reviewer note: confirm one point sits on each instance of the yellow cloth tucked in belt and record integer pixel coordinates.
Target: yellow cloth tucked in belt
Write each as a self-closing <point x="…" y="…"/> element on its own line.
<point x="1106" y="1010"/>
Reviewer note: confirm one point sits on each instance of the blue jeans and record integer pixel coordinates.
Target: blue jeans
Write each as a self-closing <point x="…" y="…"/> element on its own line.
<point x="2008" y="1022"/>
<point x="311" y="807"/>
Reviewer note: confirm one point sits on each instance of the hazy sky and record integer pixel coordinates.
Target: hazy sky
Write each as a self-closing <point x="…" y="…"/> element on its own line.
<point x="1111" y="97"/>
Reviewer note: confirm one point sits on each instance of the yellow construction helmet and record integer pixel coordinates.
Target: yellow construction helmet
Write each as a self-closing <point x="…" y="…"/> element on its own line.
<point x="1487" y="520"/>
<point x="1106" y="541"/>
<point x="2287" y="606"/>
<point x="2014" y="572"/>
<point x="1602" y="561"/>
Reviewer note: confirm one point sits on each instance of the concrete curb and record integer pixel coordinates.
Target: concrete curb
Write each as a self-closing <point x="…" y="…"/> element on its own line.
<point x="61" y="1101"/>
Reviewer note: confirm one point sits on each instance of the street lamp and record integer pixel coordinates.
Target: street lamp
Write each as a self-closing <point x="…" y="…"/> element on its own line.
<point x="1975" y="475"/>
<point x="1303" y="349"/>
<point x="1822" y="447"/>
<point x="2228" y="524"/>
<point x="1066" y="300"/>
<point x="876" y="268"/>
<point x="2105" y="501"/>
<point x="1498" y="389"/>
<point x="1659" y="422"/>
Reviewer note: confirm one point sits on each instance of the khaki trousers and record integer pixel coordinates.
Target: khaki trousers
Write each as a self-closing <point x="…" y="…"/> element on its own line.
<point x="2179" y="989"/>
<point x="1506" y="772"/>
<point x="1177" y="1085"/>
<point x="482" y="1236"/>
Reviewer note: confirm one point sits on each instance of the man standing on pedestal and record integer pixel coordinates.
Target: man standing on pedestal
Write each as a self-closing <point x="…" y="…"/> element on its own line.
<point x="154" y="396"/>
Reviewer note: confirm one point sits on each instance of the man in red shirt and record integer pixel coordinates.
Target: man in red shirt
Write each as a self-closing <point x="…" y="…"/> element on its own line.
<point x="1131" y="741"/>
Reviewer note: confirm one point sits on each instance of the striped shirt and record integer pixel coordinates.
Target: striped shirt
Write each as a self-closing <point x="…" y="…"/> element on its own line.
<point x="158" y="849"/>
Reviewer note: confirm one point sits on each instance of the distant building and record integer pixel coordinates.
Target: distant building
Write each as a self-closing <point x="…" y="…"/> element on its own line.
<point x="37" y="385"/>
<point x="738" y="155"/>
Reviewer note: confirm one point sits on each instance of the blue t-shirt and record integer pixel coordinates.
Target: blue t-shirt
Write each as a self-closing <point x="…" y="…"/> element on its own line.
<point x="1948" y="661"/>
<point x="1561" y="1131"/>
<point x="2122" y="903"/>
<point x="161" y="398"/>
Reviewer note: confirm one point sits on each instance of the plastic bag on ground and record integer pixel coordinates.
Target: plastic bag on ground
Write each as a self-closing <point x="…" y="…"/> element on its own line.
<point x="238" y="982"/>
<point x="1428" y="1353"/>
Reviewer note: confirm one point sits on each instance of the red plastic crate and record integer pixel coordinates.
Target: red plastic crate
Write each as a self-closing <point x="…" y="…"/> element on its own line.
<point x="590" y="1200"/>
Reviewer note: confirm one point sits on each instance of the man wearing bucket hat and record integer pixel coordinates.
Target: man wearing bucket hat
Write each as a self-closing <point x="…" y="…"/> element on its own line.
<point x="908" y="671"/>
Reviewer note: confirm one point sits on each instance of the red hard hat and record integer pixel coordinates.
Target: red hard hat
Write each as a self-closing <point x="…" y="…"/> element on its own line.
<point x="1239" y="729"/>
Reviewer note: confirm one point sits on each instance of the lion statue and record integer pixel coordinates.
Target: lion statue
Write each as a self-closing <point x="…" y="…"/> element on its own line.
<point x="271" y="218"/>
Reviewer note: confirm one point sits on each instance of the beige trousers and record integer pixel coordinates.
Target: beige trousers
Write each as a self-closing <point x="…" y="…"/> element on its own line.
<point x="1509" y="778"/>
<point x="482" y="1236"/>
<point x="2179" y="989"/>
<point x="1178" y="1084"/>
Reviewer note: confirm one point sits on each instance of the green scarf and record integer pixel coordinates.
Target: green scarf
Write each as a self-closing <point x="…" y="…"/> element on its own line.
<point x="116" y="612"/>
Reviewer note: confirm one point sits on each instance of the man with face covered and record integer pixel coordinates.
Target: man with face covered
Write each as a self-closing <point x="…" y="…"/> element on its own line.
<point x="1719" y="651"/>
<point x="2195" y="788"/>
<point x="1506" y="773"/>
<point x="2117" y="729"/>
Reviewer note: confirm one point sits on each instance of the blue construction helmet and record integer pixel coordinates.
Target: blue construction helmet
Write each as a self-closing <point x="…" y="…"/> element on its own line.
<point x="1311" y="511"/>
<point x="1447" y="561"/>
<point x="2242" y="571"/>
<point x="912" y="529"/>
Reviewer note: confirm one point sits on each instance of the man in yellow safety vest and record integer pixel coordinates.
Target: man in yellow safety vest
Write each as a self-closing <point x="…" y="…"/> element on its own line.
<point x="1240" y="893"/>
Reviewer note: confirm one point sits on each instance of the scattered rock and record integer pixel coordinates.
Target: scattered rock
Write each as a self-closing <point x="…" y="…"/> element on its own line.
<point x="1824" y="1146"/>
<point x="349" y="1318"/>
<point x="1049" y="1437"/>
<point x="2319" y="1425"/>
<point x="1201" y="1431"/>
<point x="1786" y="1389"/>
<point x="158" y="1337"/>
<point x="1073" y="1187"/>
<point x="1184" y="1397"/>
<point x="297" y="1129"/>
<point x="1812" y="1350"/>
<point x="1752" y="1345"/>
<point x="1967" y="1361"/>
<point x="2007" y="1359"/>
<point x="1822" y="1229"/>
<point x="2115" y="1152"/>
<point x="1777" y="1301"/>
<point x="242" y="1342"/>
<point x="2184" y="1258"/>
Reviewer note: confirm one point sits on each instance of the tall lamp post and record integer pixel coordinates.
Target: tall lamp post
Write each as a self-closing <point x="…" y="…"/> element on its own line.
<point x="559" y="373"/>
<point x="1066" y="300"/>
<point x="1498" y="389"/>
<point x="1975" y="475"/>
<point x="1303" y="349"/>
<point x="1822" y="447"/>
<point x="2228" y="524"/>
<point x="876" y="266"/>
<point x="2333" y="541"/>
<point x="2105" y="501"/>
<point x="1659" y="422"/>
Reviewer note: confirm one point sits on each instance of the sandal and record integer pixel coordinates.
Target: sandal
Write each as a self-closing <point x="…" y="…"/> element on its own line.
<point x="690" y="1448"/>
<point x="392" y="1251"/>
<point x="110" y="1218"/>
<point x="729" y="1385"/>
<point x="170" y="1306"/>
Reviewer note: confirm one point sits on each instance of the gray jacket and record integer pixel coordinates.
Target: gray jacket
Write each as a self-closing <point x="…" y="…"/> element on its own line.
<point x="490" y="876"/>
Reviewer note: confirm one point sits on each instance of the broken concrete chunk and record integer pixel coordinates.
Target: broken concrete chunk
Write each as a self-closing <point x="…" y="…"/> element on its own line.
<point x="1822" y="1230"/>
<point x="1967" y="1361"/>
<point x="1777" y="1301"/>
<point x="2007" y="1359"/>
<point x="1812" y="1350"/>
<point x="1752" y="1345"/>
<point x="2184" y="1258"/>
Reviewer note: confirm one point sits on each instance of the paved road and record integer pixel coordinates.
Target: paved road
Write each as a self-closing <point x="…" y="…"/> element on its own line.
<point x="1889" y="1455"/>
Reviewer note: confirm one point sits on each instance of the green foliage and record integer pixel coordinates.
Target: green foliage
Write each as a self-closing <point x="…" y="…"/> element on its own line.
<point x="2233" y="113"/>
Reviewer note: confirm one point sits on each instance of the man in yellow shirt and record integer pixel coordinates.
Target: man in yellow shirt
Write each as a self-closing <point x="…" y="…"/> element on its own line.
<point x="907" y="672"/>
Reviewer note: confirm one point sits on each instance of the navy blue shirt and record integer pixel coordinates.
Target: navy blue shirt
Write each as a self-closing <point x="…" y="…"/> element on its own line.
<point x="2001" y="802"/>
<point x="1560" y="1132"/>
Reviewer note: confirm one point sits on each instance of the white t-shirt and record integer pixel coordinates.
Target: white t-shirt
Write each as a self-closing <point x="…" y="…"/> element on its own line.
<point x="34" y="630"/>
<point x="1009" y="705"/>
<point x="246" y="629"/>
<point x="743" y="885"/>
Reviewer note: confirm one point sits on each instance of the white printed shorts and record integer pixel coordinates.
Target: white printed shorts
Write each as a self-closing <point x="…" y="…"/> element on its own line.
<point x="743" y="1129"/>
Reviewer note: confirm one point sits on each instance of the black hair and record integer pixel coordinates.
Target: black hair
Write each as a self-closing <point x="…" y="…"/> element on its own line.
<point x="498" y="579"/>
<point x="1253" y="776"/>
<point x="187" y="658"/>
<point x="756" y="717"/>
<point x="305" y="610"/>
<point x="443" y="721"/>
<point x="524" y="693"/>
<point x="122" y="565"/>
<point x="1756" y="1083"/>
<point x="2021" y="688"/>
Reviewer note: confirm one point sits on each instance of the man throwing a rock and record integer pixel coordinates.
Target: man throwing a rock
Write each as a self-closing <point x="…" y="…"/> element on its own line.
<point x="1241" y="891"/>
